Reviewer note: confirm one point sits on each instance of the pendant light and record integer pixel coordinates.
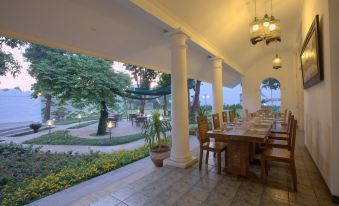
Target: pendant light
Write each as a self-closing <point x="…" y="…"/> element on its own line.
<point x="267" y="28"/>
<point x="274" y="33"/>
<point x="255" y="28"/>
<point x="276" y="60"/>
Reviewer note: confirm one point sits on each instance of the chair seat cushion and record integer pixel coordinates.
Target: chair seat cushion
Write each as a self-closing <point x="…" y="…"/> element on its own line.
<point x="277" y="153"/>
<point x="218" y="146"/>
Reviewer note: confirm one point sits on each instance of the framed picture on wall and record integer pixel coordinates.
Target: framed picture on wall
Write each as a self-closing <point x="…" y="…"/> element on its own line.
<point x="311" y="56"/>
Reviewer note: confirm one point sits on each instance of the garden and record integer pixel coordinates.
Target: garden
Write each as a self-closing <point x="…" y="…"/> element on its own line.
<point x="26" y="174"/>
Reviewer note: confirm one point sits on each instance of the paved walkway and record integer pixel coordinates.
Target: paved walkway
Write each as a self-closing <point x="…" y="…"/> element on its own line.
<point x="20" y="139"/>
<point x="124" y="128"/>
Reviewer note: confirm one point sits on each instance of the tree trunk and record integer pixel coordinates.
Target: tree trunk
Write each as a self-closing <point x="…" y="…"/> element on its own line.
<point x="165" y="105"/>
<point x="142" y="107"/>
<point x="102" y="119"/>
<point x="196" y="101"/>
<point x="271" y="98"/>
<point x="47" y="115"/>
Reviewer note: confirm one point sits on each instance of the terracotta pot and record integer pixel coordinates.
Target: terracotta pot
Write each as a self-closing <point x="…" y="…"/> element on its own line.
<point x="158" y="154"/>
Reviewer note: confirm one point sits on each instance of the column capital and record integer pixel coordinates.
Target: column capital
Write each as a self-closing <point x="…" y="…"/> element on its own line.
<point x="216" y="62"/>
<point x="178" y="37"/>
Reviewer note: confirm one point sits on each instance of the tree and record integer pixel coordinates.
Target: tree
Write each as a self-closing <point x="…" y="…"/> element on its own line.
<point x="271" y="84"/>
<point x="81" y="79"/>
<point x="143" y="77"/>
<point x="196" y="100"/>
<point x="7" y="62"/>
<point x="164" y="80"/>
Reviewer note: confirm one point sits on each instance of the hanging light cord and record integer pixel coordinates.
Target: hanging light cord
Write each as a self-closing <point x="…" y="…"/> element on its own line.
<point x="271" y="8"/>
<point x="255" y="8"/>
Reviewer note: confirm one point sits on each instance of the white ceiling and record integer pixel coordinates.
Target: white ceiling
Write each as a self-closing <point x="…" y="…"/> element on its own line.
<point x="224" y="24"/>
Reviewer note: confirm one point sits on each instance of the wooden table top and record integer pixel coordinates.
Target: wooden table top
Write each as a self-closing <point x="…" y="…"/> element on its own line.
<point x="253" y="130"/>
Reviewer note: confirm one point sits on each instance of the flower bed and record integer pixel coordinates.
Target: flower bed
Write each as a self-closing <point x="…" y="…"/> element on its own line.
<point x="79" y="168"/>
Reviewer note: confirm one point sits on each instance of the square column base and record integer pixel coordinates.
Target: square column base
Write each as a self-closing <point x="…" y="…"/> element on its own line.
<point x="183" y="165"/>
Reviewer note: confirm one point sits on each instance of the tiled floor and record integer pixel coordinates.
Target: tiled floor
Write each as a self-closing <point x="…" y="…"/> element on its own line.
<point x="142" y="184"/>
<point x="172" y="186"/>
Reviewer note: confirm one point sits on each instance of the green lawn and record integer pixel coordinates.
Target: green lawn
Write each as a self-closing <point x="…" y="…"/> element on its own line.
<point x="83" y="125"/>
<point x="28" y="174"/>
<point x="64" y="138"/>
<point x="75" y="120"/>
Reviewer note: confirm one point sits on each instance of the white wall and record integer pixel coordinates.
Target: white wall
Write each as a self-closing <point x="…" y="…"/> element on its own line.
<point x="261" y="70"/>
<point x="321" y="121"/>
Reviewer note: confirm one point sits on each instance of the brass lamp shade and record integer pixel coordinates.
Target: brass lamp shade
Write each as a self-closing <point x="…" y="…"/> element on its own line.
<point x="274" y="33"/>
<point x="277" y="62"/>
<point x="256" y="31"/>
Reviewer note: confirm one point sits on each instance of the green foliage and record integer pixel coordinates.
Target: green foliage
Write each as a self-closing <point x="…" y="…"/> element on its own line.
<point x="152" y="130"/>
<point x="164" y="80"/>
<point x="7" y="62"/>
<point x="78" y="126"/>
<point x="202" y="111"/>
<point x="232" y="106"/>
<point x="64" y="138"/>
<point x="73" y="119"/>
<point x="143" y="76"/>
<point x="68" y="76"/>
<point x="270" y="83"/>
<point x="28" y="174"/>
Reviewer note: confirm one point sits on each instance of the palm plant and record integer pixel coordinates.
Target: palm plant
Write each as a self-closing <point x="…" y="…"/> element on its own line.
<point x="154" y="132"/>
<point x="202" y="111"/>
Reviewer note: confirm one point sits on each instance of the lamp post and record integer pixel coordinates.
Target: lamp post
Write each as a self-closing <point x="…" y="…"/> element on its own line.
<point x="79" y="117"/>
<point x="109" y="126"/>
<point x="205" y="97"/>
<point x="49" y="124"/>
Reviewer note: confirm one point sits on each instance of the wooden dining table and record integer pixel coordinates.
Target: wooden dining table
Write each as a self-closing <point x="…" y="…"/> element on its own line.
<point x="242" y="138"/>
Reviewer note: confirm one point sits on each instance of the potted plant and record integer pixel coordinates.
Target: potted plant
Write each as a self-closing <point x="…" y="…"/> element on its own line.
<point x="35" y="126"/>
<point x="202" y="111"/>
<point x="156" y="139"/>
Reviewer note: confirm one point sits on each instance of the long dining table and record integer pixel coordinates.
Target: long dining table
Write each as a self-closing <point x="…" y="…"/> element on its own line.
<point x="242" y="138"/>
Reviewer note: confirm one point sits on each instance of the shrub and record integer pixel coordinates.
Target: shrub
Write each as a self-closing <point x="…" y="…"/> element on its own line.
<point x="36" y="186"/>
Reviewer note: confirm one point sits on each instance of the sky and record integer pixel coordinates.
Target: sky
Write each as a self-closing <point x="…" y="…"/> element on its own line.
<point x="24" y="82"/>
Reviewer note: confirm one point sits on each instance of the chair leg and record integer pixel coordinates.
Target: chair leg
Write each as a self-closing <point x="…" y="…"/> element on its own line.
<point x="201" y="156"/>
<point x="266" y="168"/>
<point x="207" y="156"/>
<point x="262" y="166"/>
<point x="294" y="175"/>
<point x="219" y="162"/>
<point x="225" y="158"/>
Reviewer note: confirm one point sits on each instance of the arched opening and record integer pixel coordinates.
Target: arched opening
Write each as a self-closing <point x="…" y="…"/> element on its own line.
<point x="270" y="94"/>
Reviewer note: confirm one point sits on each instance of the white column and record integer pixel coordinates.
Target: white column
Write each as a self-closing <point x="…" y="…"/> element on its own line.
<point x="180" y="152"/>
<point x="218" y="100"/>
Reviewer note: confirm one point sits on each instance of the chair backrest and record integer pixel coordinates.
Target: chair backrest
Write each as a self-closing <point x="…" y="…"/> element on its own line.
<point x="246" y="113"/>
<point x="294" y="136"/>
<point x="290" y="130"/>
<point x="216" y="121"/>
<point x="285" y="115"/>
<point x="231" y="115"/>
<point x="202" y="129"/>
<point x="224" y="117"/>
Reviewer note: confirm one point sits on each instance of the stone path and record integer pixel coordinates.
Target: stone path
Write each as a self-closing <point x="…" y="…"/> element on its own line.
<point x="124" y="128"/>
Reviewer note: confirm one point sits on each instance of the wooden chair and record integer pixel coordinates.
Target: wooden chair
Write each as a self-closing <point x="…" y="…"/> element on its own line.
<point x="216" y="121"/>
<point x="206" y="144"/>
<point x="232" y="116"/>
<point x="246" y="113"/>
<point x="281" y="155"/>
<point x="282" y="140"/>
<point x="283" y="127"/>
<point x="224" y="117"/>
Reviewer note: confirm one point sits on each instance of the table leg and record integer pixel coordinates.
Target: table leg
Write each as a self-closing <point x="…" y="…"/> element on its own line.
<point x="238" y="156"/>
